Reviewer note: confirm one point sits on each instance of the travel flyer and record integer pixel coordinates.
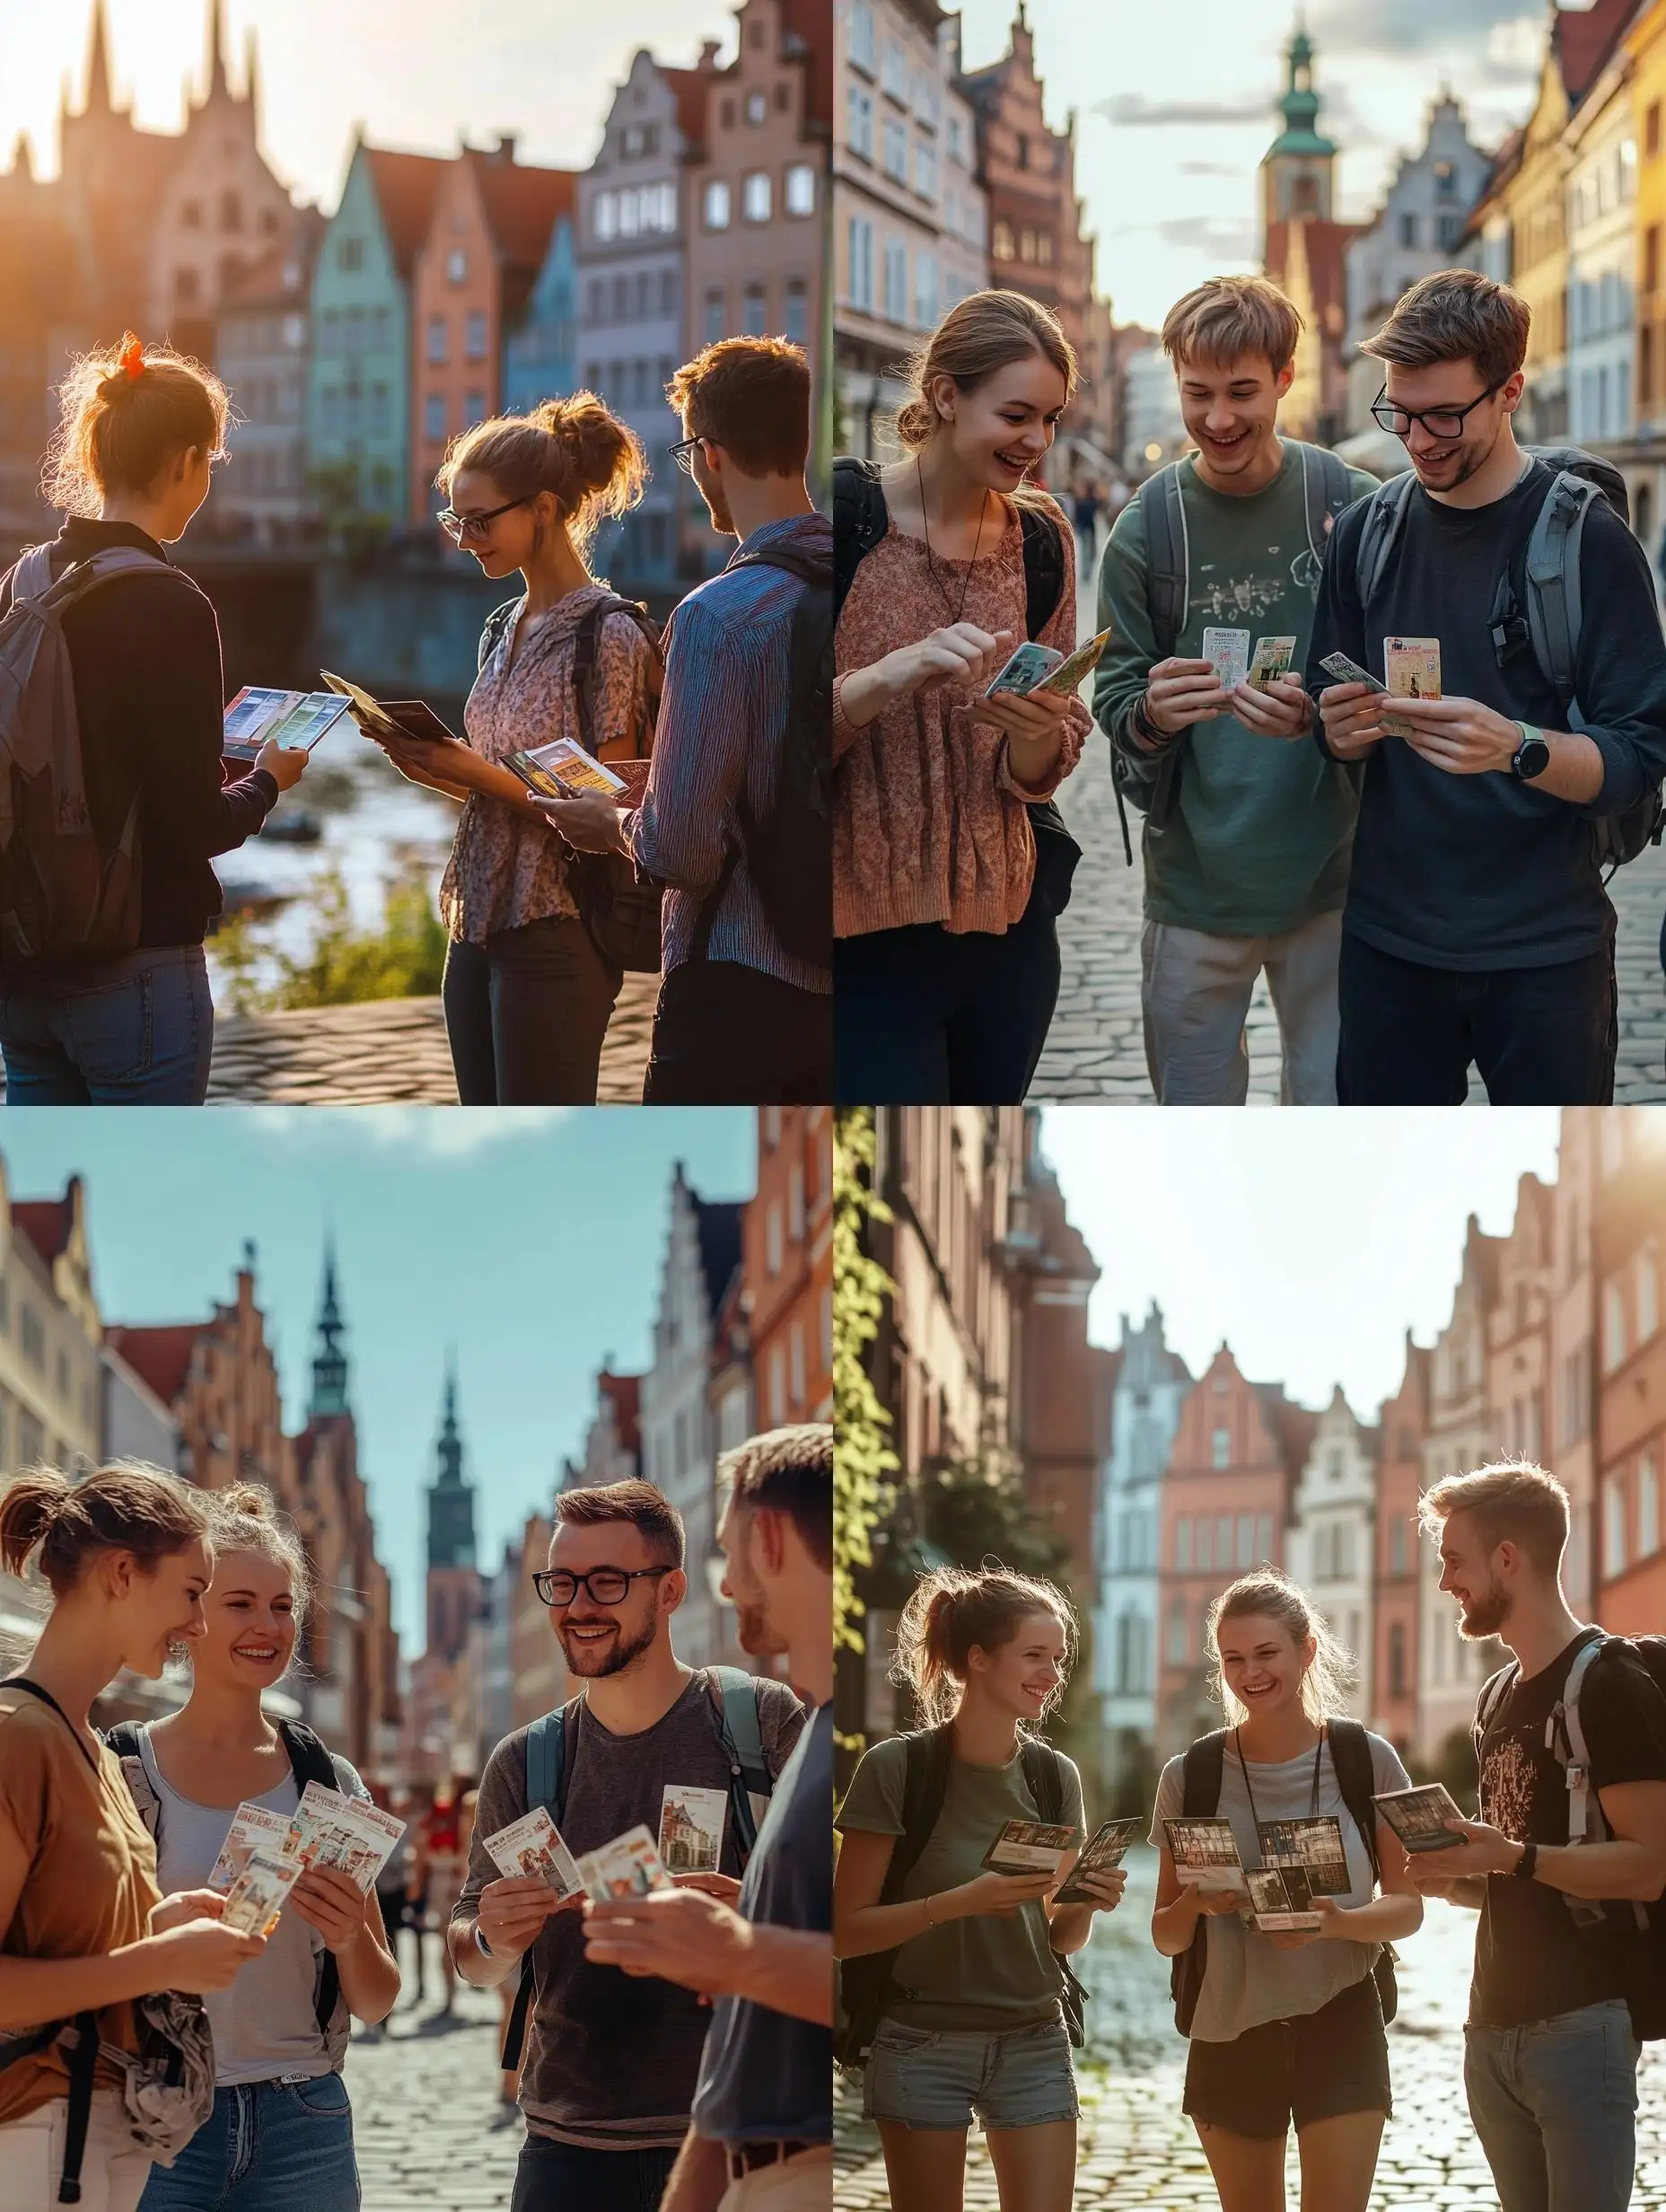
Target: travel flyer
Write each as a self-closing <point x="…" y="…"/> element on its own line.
<point x="532" y="1847"/>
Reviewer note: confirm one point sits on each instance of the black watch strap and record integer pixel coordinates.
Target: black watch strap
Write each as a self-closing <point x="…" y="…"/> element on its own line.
<point x="1523" y="1869"/>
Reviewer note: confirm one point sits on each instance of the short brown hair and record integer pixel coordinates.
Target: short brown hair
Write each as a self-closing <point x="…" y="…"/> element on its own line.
<point x="123" y="1507"/>
<point x="982" y="332"/>
<point x="750" y="396"/>
<point x="125" y="412"/>
<point x="1512" y="1501"/>
<point x="575" y="448"/>
<point x="643" y="1503"/>
<point x="1456" y="315"/>
<point x="1229" y="318"/>
<point x="788" y="1470"/>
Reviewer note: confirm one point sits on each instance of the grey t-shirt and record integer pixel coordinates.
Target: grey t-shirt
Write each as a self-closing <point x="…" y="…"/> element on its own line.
<point x="266" y="2025"/>
<point x="612" y="2059"/>
<point x="1246" y="1981"/>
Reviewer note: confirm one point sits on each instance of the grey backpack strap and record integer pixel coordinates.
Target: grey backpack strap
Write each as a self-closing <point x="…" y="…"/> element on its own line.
<point x="32" y="576"/>
<point x="1571" y="1752"/>
<point x="1168" y="557"/>
<point x="1552" y="596"/>
<point x="1380" y="532"/>
<point x="1325" y="492"/>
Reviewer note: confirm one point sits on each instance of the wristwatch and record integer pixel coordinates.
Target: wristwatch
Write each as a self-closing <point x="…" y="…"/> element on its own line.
<point x="1531" y="757"/>
<point x="1522" y="1871"/>
<point x="481" y="1945"/>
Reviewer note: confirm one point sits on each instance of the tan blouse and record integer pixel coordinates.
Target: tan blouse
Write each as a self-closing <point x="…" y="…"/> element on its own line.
<point x="505" y="868"/>
<point x="928" y="823"/>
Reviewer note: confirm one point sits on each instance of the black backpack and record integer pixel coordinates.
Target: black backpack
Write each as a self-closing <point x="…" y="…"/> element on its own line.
<point x="1537" y="605"/>
<point x="790" y="857"/>
<point x="864" y="1982"/>
<point x="1205" y="1762"/>
<point x="860" y="519"/>
<point x="1565" y="1737"/>
<point x="309" y="1761"/>
<point x="621" y="914"/>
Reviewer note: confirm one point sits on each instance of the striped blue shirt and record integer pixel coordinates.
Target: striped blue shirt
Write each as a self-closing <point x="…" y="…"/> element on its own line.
<point x="727" y="683"/>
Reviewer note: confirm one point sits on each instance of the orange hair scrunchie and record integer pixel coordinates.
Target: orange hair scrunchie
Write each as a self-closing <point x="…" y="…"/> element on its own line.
<point x="132" y="360"/>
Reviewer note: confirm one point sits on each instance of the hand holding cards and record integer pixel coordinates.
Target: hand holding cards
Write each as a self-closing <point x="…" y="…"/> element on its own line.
<point x="1425" y="1819"/>
<point x="628" y="1867"/>
<point x="1105" y="1850"/>
<point x="531" y="1849"/>
<point x="264" y="1854"/>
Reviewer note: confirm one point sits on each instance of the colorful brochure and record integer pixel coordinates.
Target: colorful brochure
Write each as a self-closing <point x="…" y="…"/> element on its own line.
<point x="349" y="1834"/>
<point x="691" y="1827"/>
<point x="1206" y="1854"/>
<point x="561" y="770"/>
<point x="1412" y="666"/>
<point x="532" y="1847"/>
<point x="256" y="1899"/>
<point x="1104" y="1849"/>
<point x="1028" y="1847"/>
<point x="1077" y="666"/>
<point x="1423" y="1819"/>
<point x="1311" y="1847"/>
<point x="628" y="1867"/>
<point x="1025" y="670"/>
<point x="296" y="719"/>
<point x="254" y="1828"/>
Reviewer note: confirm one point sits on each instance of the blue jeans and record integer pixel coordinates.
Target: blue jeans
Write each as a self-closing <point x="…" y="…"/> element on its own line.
<point x="1555" y="2105"/>
<point x="267" y="2146"/>
<point x="565" y="2177"/>
<point x="137" y="1031"/>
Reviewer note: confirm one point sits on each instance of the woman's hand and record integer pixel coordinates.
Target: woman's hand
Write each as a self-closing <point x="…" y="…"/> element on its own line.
<point x="960" y="654"/>
<point x="590" y="823"/>
<point x="1104" y="1889"/>
<point x="333" y="1903"/>
<point x="285" y="764"/>
<point x="201" y="1955"/>
<point x="1333" y="1920"/>
<point x="1035" y="716"/>
<point x="1180" y="692"/>
<point x="1002" y="1895"/>
<point x="185" y="1905"/>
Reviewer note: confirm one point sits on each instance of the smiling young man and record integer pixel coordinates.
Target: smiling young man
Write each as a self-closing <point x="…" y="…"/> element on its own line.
<point x="611" y="2062"/>
<point x="1246" y="839"/>
<point x="1477" y="925"/>
<point x="1550" y="2055"/>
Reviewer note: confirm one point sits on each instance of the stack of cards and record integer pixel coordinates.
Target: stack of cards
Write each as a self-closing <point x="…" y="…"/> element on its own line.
<point x="1312" y="1846"/>
<point x="253" y="1829"/>
<point x="1281" y="1901"/>
<point x="1028" y="1847"/>
<point x="256" y="1898"/>
<point x="1412" y="666"/>
<point x="562" y="768"/>
<point x="691" y="1827"/>
<point x="1104" y="1849"/>
<point x="349" y="1834"/>
<point x="532" y="1847"/>
<point x="1423" y="1819"/>
<point x="628" y="1867"/>
<point x="1341" y="670"/>
<point x="1029" y="665"/>
<point x="1074" y="670"/>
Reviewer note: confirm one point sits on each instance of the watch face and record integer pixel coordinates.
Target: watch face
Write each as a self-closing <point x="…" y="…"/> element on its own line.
<point x="1532" y="758"/>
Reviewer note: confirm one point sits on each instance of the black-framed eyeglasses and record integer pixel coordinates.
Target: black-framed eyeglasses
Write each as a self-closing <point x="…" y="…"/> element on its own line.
<point x="1440" y="422"/>
<point x="606" y="1585"/>
<point x="462" y="526"/>
<point x="683" y="453"/>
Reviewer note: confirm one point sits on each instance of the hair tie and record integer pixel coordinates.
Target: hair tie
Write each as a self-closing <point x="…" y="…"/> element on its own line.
<point x="132" y="359"/>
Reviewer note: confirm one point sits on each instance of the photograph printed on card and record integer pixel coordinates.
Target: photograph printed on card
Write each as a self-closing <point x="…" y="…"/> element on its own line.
<point x="1227" y="652"/>
<point x="255" y="1899"/>
<point x="691" y="1827"/>
<point x="1423" y="1819"/>
<point x="1028" y="1847"/>
<point x="1273" y="657"/>
<point x="1280" y="1900"/>
<point x="1028" y="663"/>
<point x="532" y="1847"/>
<point x="359" y="1842"/>
<point x="254" y="1828"/>
<point x="1104" y="1849"/>
<point x="628" y="1866"/>
<point x="1412" y="667"/>
<point x="1314" y="1847"/>
<point x="1206" y="1852"/>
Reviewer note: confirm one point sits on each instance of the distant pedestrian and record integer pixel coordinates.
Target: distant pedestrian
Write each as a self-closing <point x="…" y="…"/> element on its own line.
<point x="106" y="1002"/>
<point x="1087" y="503"/>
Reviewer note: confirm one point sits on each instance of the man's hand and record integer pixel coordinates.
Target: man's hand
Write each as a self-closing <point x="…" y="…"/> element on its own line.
<point x="1351" y="713"/>
<point x="333" y="1903"/>
<point x="723" y="1887"/>
<point x="679" y="1935"/>
<point x="513" y="1909"/>
<point x="1180" y="692"/>
<point x="183" y="1905"/>
<point x="1487" y="1851"/>
<point x="1460" y="736"/>
<point x="1282" y="709"/>
<point x="590" y="823"/>
<point x="285" y="764"/>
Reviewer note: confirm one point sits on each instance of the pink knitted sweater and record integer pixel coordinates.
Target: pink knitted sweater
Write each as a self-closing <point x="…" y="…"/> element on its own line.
<point x="928" y="823"/>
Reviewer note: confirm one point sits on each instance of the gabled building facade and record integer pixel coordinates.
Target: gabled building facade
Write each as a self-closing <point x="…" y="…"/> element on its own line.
<point x="1402" y="1423"/>
<point x="1330" y="1545"/>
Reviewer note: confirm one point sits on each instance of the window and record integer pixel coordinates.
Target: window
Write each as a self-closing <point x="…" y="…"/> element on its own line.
<point x="926" y="170"/>
<point x="795" y="1201"/>
<point x="456" y="265"/>
<point x="772" y="1240"/>
<point x="1613" y="1327"/>
<point x="1246" y="1539"/>
<point x="715" y="206"/>
<point x="437" y="343"/>
<point x="859" y="118"/>
<point x="1448" y="230"/>
<point x="896" y="280"/>
<point x="477" y="337"/>
<point x="1044" y="248"/>
<point x="350" y="253"/>
<point x="757" y="107"/>
<point x="925" y="290"/>
<point x="861" y="256"/>
<point x="896" y="149"/>
<point x="34" y="1338"/>
<point x="1026" y="244"/>
<point x="1397" y="1549"/>
<point x="1396" y="1659"/>
<point x="862" y="34"/>
<point x="777" y="1386"/>
<point x="1648" y="1506"/>
<point x="755" y="197"/>
<point x="433" y="415"/>
<point x="621" y="299"/>
<point x="187" y="288"/>
<point x="799" y="197"/>
<point x="1264" y="1537"/>
<point x="1409" y="231"/>
<point x="191" y="217"/>
<point x="1613" y="1527"/>
<point x="715" y="316"/>
<point x="1002" y="244"/>
<point x="1183" y="1544"/>
<point x="1179" y="1638"/>
<point x="381" y="408"/>
<point x="604" y="216"/>
<point x="231" y="212"/>
<point x="1221" y="1448"/>
<point x="795" y="1364"/>
<point x="476" y="409"/>
<point x="795" y="315"/>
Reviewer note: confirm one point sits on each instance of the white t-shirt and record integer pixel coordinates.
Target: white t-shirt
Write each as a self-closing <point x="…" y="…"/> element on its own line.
<point x="266" y="2025"/>
<point x="1246" y="1981"/>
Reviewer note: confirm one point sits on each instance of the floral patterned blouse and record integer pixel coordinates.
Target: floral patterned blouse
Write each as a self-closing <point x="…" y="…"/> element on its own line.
<point x="506" y="869"/>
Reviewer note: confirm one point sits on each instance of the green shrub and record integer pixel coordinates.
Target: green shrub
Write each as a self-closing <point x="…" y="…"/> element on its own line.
<point x="403" y="958"/>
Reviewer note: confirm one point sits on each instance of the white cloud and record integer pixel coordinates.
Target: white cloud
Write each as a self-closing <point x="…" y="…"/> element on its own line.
<point x="1517" y="45"/>
<point x="420" y="1132"/>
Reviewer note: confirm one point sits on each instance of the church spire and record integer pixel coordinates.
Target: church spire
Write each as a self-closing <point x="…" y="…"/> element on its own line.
<point x="329" y="1364"/>
<point x="218" y="86"/>
<point x="451" y="1500"/>
<point x="251" y="78"/>
<point x="101" y="93"/>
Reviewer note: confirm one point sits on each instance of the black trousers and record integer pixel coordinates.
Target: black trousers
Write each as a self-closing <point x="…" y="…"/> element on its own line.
<point x="930" y="1019"/>
<point x="526" y="1014"/>
<point x="728" y="1035"/>
<point x="1539" y="1036"/>
<point x="566" y="2177"/>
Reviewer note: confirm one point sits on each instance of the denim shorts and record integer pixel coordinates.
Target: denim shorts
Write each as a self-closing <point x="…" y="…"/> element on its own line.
<point x="926" y="2077"/>
<point x="1315" y="2067"/>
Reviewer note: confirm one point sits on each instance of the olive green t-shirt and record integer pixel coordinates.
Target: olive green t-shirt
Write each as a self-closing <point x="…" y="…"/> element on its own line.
<point x="989" y="1972"/>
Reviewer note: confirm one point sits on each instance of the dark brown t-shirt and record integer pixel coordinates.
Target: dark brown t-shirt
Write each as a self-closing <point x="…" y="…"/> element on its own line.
<point x="611" y="2058"/>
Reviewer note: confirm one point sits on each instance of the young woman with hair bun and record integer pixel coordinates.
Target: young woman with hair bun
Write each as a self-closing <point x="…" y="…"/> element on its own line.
<point x="527" y="997"/>
<point x="947" y="964"/>
<point x="1288" y="2027"/>
<point x="127" y="1554"/>
<point x="280" y="2136"/>
<point x="141" y="429"/>
<point x="971" y="2019"/>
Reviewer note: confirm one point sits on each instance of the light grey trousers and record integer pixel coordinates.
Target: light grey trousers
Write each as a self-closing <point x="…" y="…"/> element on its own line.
<point x="1195" y="996"/>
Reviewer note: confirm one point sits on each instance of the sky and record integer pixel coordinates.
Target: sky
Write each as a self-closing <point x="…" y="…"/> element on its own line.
<point x="414" y="73"/>
<point x="529" y="1241"/>
<point x="1170" y="135"/>
<point x="1309" y="1242"/>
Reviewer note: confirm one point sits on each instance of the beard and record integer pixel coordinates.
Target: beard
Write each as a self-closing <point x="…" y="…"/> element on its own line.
<point x="1485" y="1615"/>
<point x="601" y="1657"/>
<point x="752" y="1629"/>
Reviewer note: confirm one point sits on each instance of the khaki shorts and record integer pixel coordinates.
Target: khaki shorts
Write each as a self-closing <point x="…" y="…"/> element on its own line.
<point x="114" y="2169"/>
<point x="801" y="2184"/>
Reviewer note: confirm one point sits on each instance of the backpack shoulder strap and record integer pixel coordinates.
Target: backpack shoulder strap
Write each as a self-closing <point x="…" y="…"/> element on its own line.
<point x="31" y="578"/>
<point x="491" y="636"/>
<point x="1494" y="1692"/>
<point x="124" y="1739"/>
<point x="1044" y="566"/>
<point x="860" y="519"/>
<point x="1200" y="1776"/>
<point x="1168" y="557"/>
<point x="1553" y="593"/>
<point x="587" y="647"/>
<point x="1045" y="1778"/>
<point x="925" y="1784"/>
<point x="1325" y="492"/>
<point x="734" y="1696"/>
<point x="1385" y="514"/>
<point x="1565" y="1721"/>
<point x="551" y="1745"/>
<point x="310" y="1761"/>
<point x="1350" y="1755"/>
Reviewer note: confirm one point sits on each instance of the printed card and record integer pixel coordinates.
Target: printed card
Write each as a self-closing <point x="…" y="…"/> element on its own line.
<point x="255" y="1899"/>
<point x="1227" y="652"/>
<point x="1412" y="666"/>
<point x="1275" y="1899"/>
<point x="1024" y="672"/>
<point x="1074" y="670"/>
<point x="1206" y="1852"/>
<point x="253" y="1828"/>
<point x="628" y="1867"/>
<point x="1104" y="1849"/>
<point x="1312" y="1846"/>
<point x="691" y="1827"/>
<point x="562" y="768"/>
<point x="1028" y="1847"/>
<point x="1423" y="1819"/>
<point x="1273" y="657"/>
<point x="360" y="1842"/>
<point x="1344" y="671"/>
<point x="313" y="1821"/>
<point x="532" y="1845"/>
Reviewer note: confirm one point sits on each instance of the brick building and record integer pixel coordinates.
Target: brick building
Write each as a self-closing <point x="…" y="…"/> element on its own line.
<point x="220" y="1379"/>
<point x="1571" y="1355"/>
<point x="787" y="1265"/>
<point x="1629" y="1237"/>
<point x="1402" y="1422"/>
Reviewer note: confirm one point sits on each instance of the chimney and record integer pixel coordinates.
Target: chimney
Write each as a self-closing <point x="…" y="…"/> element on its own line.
<point x="508" y="142"/>
<point x="708" y="56"/>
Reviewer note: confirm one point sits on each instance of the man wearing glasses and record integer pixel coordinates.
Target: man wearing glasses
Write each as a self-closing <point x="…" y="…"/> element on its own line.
<point x="611" y="2061"/>
<point x="1476" y="927"/>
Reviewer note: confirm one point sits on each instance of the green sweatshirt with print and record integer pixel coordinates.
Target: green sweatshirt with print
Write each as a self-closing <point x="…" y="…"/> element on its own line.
<point x="1260" y="834"/>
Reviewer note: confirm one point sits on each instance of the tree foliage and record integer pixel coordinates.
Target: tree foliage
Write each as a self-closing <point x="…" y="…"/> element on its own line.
<point x="862" y="1459"/>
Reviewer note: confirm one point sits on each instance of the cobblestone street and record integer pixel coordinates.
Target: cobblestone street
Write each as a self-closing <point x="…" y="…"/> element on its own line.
<point x="1137" y="2150"/>
<point x="1094" y="1049"/>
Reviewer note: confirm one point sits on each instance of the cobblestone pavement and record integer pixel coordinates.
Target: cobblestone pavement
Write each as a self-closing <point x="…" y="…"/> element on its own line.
<point x="1137" y="2153"/>
<point x="390" y="1052"/>
<point x="1094" y="1049"/>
